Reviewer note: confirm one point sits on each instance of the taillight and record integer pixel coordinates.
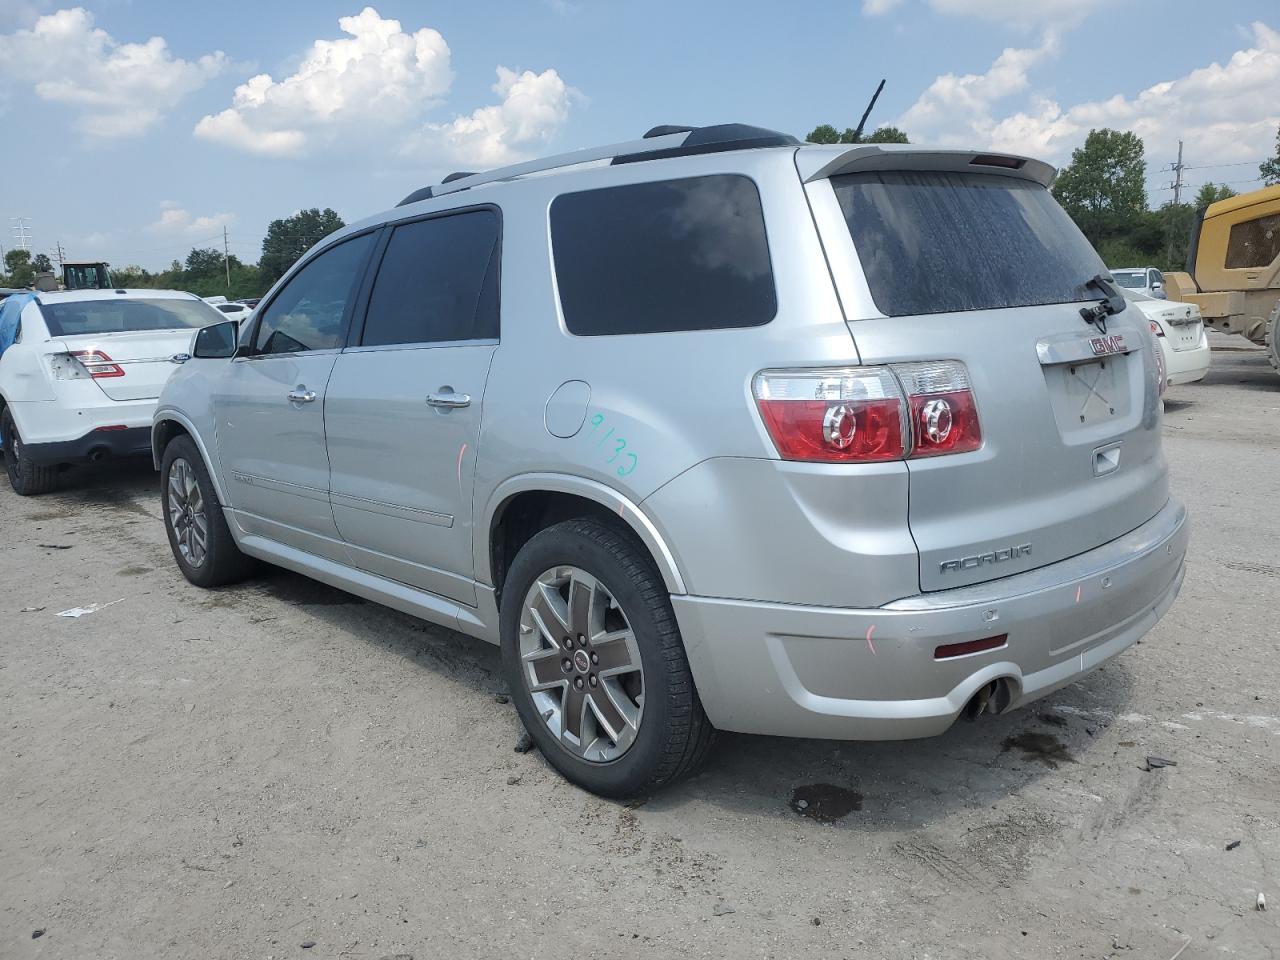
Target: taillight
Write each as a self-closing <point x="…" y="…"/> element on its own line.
<point x="1156" y="329"/>
<point x="832" y="415"/>
<point x="869" y="414"/>
<point x="98" y="364"/>
<point x="944" y="416"/>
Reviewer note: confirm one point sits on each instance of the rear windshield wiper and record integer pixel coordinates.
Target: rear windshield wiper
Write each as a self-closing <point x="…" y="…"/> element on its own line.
<point x="1112" y="302"/>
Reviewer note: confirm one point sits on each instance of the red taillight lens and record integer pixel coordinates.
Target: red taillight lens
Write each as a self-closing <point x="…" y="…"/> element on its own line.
<point x="869" y="414"/>
<point x="98" y="364"/>
<point x="944" y="416"/>
<point x="1156" y="329"/>
<point x="837" y="415"/>
<point x="949" y="650"/>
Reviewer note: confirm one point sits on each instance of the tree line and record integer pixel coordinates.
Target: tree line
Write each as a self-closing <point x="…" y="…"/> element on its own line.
<point x="1103" y="188"/>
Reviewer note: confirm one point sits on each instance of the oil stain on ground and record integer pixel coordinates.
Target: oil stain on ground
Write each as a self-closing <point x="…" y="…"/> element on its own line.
<point x="1044" y="747"/>
<point x="825" y="802"/>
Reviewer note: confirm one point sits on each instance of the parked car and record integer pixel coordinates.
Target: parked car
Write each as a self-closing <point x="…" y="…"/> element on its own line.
<point x="235" y="310"/>
<point x="1144" y="280"/>
<point x="724" y="432"/>
<point x="1180" y="333"/>
<point x="80" y="381"/>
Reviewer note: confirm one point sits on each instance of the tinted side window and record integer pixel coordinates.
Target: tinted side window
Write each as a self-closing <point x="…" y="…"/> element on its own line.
<point x="1254" y="243"/>
<point x="308" y="313"/>
<point x="686" y="254"/>
<point x="438" y="282"/>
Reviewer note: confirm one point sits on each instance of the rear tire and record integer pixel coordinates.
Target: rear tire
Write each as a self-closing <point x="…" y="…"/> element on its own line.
<point x="28" y="479"/>
<point x="1272" y="337"/>
<point x="648" y="684"/>
<point x="202" y="544"/>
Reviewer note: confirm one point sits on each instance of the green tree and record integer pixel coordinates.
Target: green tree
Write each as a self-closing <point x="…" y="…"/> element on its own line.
<point x="1212" y="193"/>
<point x="826" y="133"/>
<point x="1269" y="170"/>
<point x="204" y="263"/>
<point x="17" y="265"/>
<point x="40" y="263"/>
<point x="290" y="237"/>
<point x="1103" y="188"/>
<point x="133" y="277"/>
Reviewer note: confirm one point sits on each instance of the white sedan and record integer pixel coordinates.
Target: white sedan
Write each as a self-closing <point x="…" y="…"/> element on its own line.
<point x="1179" y="330"/>
<point x="79" y="382"/>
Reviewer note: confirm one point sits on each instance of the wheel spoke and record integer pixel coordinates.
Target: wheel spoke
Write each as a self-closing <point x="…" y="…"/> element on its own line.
<point x="614" y="651"/>
<point x="177" y="495"/>
<point x="607" y="713"/>
<point x="574" y="703"/>
<point x="581" y="597"/>
<point x="551" y="622"/>
<point x="546" y="669"/>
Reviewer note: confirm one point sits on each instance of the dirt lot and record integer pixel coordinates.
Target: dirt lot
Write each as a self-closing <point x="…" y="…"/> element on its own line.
<point x="245" y="772"/>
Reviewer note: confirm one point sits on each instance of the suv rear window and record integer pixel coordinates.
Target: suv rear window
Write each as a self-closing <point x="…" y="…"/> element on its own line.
<point x="686" y="254"/>
<point x="933" y="242"/>
<point x="120" y="315"/>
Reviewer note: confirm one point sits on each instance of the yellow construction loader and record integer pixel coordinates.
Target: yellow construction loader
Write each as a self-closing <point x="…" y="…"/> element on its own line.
<point x="1234" y="264"/>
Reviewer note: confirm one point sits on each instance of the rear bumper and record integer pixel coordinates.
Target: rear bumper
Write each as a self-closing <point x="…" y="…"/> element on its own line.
<point x="1187" y="366"/>
<point x="859" y="674"/>
<point x="93" y="447"/>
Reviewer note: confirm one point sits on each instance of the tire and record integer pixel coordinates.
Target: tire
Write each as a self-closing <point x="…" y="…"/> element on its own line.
<point x="190" y="507"/>
<point x="629" y="616"/>
<point x="1272" y="337"/>
<point x="28" y="479"/>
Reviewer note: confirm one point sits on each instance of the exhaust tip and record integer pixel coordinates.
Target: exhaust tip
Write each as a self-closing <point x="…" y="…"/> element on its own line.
<point x="991" y="698"/>
<point x="98" y="454"/>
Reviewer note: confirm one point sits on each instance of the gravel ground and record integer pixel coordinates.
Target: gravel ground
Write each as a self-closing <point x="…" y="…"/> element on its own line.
<point x="250" y="771"/>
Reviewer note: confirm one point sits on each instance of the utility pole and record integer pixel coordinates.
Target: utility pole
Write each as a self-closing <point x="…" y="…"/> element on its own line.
<point x="20" y="233"/>
<point x="62" y="257"/>
<point x="226" y="256"/>
<point x="1177" y="176"/>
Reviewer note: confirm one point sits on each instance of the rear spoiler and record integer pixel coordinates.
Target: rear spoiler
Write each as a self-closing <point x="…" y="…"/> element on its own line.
<point x="819" y="164"/>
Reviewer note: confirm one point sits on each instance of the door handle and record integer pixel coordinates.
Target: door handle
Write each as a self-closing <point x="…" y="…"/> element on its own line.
<point x="449" y="400"/>
<point x="301" y="395"/>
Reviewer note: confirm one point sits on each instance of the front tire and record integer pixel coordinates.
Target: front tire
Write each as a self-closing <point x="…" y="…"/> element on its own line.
<point x="202" y="544"/>
<point x="595" y="663"/>
<point x="27" y="479"/>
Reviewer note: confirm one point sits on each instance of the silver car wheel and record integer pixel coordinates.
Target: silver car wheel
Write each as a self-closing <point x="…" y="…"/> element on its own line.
<point x="186" y="513"/>
<point x="581" y="664"/>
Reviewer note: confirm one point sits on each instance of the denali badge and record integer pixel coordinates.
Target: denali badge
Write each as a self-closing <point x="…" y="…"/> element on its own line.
<point x="979" y="559"/>
<point x="1106" y="346"/>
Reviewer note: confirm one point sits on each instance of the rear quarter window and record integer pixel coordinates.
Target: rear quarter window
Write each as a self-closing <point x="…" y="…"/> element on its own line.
<point x="686" y="254"/>
<point x="934" y="242"/>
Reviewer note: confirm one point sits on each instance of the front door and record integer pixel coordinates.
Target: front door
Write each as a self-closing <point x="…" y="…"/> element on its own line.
<point x="404" y="405"/>
<point x="269" y="405"/>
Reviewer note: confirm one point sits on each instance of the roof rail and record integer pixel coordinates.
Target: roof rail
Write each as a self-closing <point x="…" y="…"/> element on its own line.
<point x="458" y="175"/>
<point x="663" y="141"/>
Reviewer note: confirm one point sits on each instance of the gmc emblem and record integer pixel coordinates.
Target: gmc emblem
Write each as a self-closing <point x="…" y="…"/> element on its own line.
<point x="982" y="559"/>
<point x="1106" y="346"/>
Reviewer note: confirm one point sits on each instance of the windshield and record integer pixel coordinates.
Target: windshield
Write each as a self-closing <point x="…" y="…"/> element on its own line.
<point x="126" y="316"/>
<point x="1134" y="281"/>
<point x="91" y="276"/>
<point x="933" y="242"/>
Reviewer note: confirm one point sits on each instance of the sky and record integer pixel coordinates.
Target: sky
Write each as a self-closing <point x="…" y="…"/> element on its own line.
<point x="139" y="129"/>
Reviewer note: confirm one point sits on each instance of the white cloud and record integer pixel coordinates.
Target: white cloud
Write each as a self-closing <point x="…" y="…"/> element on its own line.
<point x="119" y="89"/>
<point x="175" y="220"/>
<point x="377" y="75"/>
<point x="1225" y="112"/>
<point x="955" y="110"/>
<point x="876" y="8"/>
<point x="534" y="107"/>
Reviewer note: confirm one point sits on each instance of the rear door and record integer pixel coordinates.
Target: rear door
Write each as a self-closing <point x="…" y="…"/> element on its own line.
<point x="403" y="408"/>
<point x="269" y="404"/>
<point x="987" y="269"/>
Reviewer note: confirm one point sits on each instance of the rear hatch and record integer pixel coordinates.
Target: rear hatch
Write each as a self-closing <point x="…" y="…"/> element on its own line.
<point x="130" y="366"/>
<point x="127" y="341"/>
<point x="1181" y="321"/>
<point x="985" y="268"/>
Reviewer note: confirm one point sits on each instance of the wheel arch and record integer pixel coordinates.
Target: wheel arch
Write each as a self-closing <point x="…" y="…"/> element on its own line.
<point x="550" y="496"/>
<point x="170" y="424"/>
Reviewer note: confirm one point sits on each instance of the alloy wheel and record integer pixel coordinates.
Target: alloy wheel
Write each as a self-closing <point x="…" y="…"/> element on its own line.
<point x="187" y="513"/>
<point x="581" y="664"/>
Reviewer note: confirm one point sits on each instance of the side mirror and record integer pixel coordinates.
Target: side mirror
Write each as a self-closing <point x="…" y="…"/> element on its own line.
<point x="217" y="341"/>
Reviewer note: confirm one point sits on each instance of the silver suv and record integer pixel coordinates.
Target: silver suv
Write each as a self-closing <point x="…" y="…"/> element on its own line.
<point x="709" y="430"/>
